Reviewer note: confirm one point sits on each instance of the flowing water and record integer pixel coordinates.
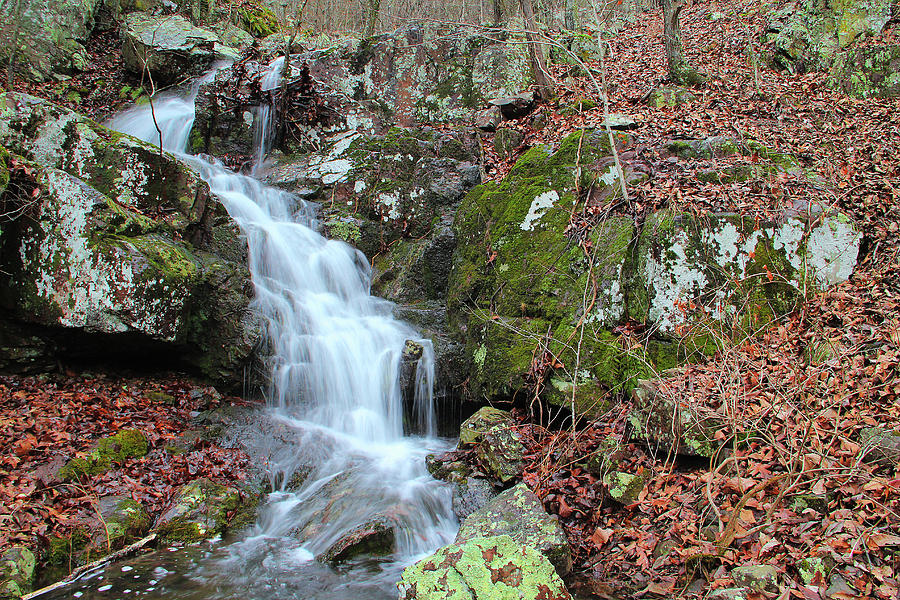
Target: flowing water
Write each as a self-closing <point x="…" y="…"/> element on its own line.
<point x="334" y="405"/>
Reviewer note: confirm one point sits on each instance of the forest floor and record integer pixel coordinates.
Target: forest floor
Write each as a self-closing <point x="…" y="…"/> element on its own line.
<point x="804" y="419"/>
<point x="802" y="395"/>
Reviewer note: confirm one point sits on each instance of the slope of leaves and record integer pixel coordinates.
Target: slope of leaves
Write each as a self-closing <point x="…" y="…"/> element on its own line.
<point x="46" y="421"/>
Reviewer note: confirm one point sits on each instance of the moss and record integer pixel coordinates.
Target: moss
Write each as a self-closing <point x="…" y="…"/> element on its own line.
<point x="127" y="443"/>
<point x="343" y="230"/>
<point x="259" y="20"/>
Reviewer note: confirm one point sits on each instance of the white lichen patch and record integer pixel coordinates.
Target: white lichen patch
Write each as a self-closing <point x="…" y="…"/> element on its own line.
<point x="538" y="208"/>
<point x="611" y="176"/>
<point x="390" y="205"/>
<point x="359" y="187"/>
<point x="672" y="280"/>
<point x="832" y="250"/>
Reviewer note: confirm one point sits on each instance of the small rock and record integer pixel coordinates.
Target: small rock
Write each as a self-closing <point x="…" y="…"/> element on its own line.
<point x="670" y="96"/>
<point x="473" y="428"/>
<point x="489" y="119"/>
<point x="619" y="122"/>
<point x="496" y="567"/>
<point x="518" y="513"/>
<point x="727" y="594"/>
<point x="471" y="495"/>
<point x="839" y="585"/>
<point x="624" y="488"/>
<point x="880" y="446"/>
<point x="811" y="567"/>
<point x="514" y="107"/>
<point x="502" y="453"/>
<point x="816" y="502"/>
<point x="375" y="537"/>
<point x="756" y="578"/>
<point x="660" y="420"/>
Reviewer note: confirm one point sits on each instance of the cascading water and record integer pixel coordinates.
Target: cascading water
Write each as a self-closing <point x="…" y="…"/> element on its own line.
<point x="335" y="364"/>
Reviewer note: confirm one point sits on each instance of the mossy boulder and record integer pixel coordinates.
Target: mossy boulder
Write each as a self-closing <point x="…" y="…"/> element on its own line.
<point x="127" y="443"/>
<point x="670" y="96"/>
<point x="46" y="37"/>
<point x="494" y="567"/>
<point x="259" y="20"/>
<point x="868" y="72"/>
<point x="487" y="418"/>
<point x="121" y="243"/>
<point x="201" y="510"/>
<point x="518" y="513"/>
<point x="16" y="572"/>
<point x="169" y="47"/>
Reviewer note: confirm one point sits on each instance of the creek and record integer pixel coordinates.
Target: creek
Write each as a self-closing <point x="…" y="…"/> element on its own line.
<point x="335" y="411"/>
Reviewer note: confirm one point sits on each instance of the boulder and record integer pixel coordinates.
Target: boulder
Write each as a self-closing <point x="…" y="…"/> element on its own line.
<point x="375" y="537"/>
<point x="518" y="513"/>
<point x="488" y="119"/>
<point x="46" y="37"/>
<point x="670" y="96"/>
<point x="169" y="47"/>
<point x="200" y="511"/>
<point x="16" y="572"/>
<point x="756" y="578"/>
<point x="494" y="567"/>
<point x="488" y="418"/>
<point x="501" y="454"/>
<point x="120" y="251"/>
<point x="673" y="426"/>
<point x="470" y="495"/>
<point x="880" y="446"/>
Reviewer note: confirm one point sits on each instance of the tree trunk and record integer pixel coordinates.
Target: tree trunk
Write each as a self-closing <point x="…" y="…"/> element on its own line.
<point x="498" y="12"/>
<point x="372" y="17"/>
<point x="536" y="52"/>
<point x="679" y="70"/>
<point x="571" y="15"/>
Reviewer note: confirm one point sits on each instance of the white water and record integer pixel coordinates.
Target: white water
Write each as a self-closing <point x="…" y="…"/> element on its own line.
<point x="335" y="361"/>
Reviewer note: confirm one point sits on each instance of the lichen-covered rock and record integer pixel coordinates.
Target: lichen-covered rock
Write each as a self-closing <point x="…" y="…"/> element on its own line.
<point x="471" y="495"/>
<point x="881" y="446"/>
<point x="868" y="72"/>
<point x="46" y="37"/>
<point x="674" y="426"/>
<point x="806" y="35"/>
<point x="518" y="513"/>
<point x="486" y="419"/>
<point x="501" y="453"/>
<point x="127" y="443"/>
<point x="120" y="242"/>
<point x="670" y="96"/>
<point x="812" y="568"/>
<point x="743" y="273"/>
<point x="169" y="47"/>
<point x="200" y="511"/>
<point x="16" y="572"/>
<point x="756" y="578"/>
<point x="495" y="567"/>
<point x="624" y="488"/>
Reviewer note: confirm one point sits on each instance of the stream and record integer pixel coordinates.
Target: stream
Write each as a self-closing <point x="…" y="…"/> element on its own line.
<point x="333" y="402"/>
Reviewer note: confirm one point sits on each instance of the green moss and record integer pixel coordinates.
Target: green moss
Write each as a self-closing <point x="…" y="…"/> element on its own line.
<point x="259" y="20"/>
<point x="128" y="443"/>
<point x="346" y="231"/>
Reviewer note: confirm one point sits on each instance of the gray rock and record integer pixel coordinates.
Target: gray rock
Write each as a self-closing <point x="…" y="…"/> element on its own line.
<point x="506" y="141"/>
<point x="375" y="537"/>
<point x="880" y="446"/>
<point x="169" y="47"/>
<point x="728" y="594"/>
<point x="471" y="495"/>
<point x="16" y="572"/>
<point x="494" y="567"/>
<point x="514" y="107"/>
<point x="199" y="511"/>
<point x="518" y="513"/>
<point x="48" y="36"/>
<point x="489" y="118"/>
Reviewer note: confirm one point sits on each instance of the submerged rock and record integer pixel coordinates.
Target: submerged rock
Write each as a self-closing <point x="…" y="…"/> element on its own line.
<point x="122" y="250"/>
<point x="518" y="513"/>
<point x="492" y="567"/>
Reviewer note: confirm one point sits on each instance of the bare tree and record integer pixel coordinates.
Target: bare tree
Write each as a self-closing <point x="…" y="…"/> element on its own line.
<point x="536" y="52"/>
<point x="372" y="8"/>
<point x="679" y="70"/>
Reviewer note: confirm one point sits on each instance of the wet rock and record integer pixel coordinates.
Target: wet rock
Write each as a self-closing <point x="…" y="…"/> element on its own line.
<point x="16" y="572"/>
<point x="470" y="495"/>
<point x="50" y="35"/>
<point x="447" y="467"/>
<point x="409" y="367"/>
<point x="678" y="428"/>
<point x="487" y="418"/>
<point x="518" y="513"/>
<point x="489" y="119"/>
<point x="127" y="443"/>
<point x="169" y="47"/>
<point x="756" y="578"/>
<point x="373" y="538"/>
<point x="200" y="511"/>
<point x="494" y="567"/>
<point x="123" y="252"/>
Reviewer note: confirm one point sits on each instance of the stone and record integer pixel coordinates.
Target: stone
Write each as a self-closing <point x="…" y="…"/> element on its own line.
<point x="488" y="119"/>
<point x="375" y="537"/>
<point x="619" y="122"/>
<point x="198" y="512"/>
<point x="123" y="251"/>
<point x="514" y="107"/>
<point x="494" y="567"/>
<point x="169" y="47"/>
<point x="501" y="453"/>
<point x="624" y="488"/>
<point x="518" y="513"/>
<point x="816" y="502"/>
<point x="487" y="418"/>
<point x="663" y="421"/>
<point x="670" y="96"/>
<point x="880" y="446"/>
<point x="868" y="72"/>
<point x="447" y="467"/>
<point x="127" y="443"/>
<point x="756" y="578"/>
<point x="470" y="495"/>
<point x="737" y="593"/>
<point x="507" y="141"/>
<point x="838" y="585"/>
<point x="16" y="572"/>
<point x="811" y="569"/>
<point x="48" y="37"/>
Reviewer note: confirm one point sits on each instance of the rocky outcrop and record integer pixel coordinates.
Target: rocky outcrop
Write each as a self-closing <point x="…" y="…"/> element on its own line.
<point x="46" y="37"/>
<point x="116" y="249"/>
<point x="537" y="301"/>
<point x="518" y="513"/>
<point x="169" y="47"/>
<point x="492" y="567"/>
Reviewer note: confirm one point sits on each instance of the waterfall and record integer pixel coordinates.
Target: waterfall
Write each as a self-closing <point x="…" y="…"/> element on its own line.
<point x="334" y="374"/>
